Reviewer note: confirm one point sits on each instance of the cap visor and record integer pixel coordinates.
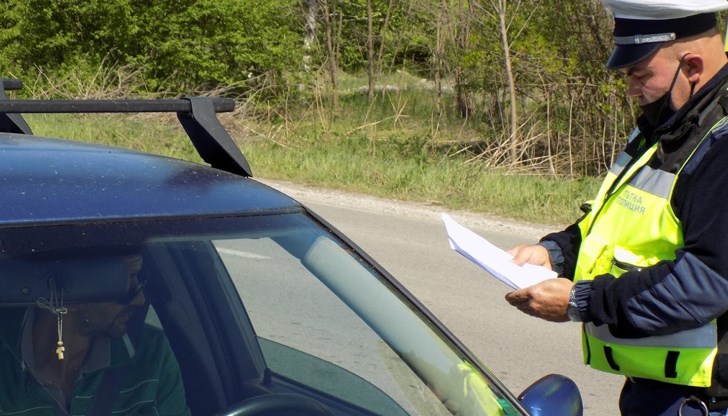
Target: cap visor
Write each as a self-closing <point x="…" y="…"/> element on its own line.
<point x="628" y="55"/>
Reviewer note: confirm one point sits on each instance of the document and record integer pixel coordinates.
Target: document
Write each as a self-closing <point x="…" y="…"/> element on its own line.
<point x="491" y="258"/>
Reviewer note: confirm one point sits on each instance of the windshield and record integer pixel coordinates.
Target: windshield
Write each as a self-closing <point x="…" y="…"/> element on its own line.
<point x="265" y="303"/>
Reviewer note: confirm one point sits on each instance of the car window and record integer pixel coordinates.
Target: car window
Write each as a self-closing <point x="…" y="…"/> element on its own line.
<point x="328" y="320"/>
<point x="241" y="307"/>
<point x="72" y="321"/>
<point x="311" y="336"/>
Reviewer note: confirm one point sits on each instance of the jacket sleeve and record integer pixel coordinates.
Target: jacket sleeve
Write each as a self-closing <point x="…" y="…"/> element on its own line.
<point x="563" y="247"/>
<point x="692" y="289"/>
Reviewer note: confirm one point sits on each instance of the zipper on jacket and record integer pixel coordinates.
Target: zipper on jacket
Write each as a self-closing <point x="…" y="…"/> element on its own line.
<point x="626" y="266"/>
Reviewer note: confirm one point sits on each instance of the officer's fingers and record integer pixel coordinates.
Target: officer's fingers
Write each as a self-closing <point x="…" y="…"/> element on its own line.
<point x="521" y="253"/>
<point x="517" y="297"/>
<point x="513" y="251"/>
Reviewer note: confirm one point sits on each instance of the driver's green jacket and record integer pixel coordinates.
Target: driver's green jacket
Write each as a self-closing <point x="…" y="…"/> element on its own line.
<point x="152" y="383"/>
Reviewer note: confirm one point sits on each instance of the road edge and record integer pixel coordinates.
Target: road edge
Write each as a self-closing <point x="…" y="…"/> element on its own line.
<point x="334" y="197"/>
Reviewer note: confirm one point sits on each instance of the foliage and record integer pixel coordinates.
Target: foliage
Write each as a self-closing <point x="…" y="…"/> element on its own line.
<point x="572" y="112"/>
<point x="180" y="44"/>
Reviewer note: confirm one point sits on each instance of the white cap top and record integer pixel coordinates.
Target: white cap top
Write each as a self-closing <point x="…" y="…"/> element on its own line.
<point x="662" y="9"/>
<point x="641" y="27"/>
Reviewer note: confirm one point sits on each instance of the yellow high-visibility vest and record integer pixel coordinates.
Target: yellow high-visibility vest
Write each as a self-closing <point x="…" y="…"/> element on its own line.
<point x="631" y="225"/>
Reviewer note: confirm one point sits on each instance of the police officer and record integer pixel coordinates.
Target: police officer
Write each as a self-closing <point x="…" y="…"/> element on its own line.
<point x="646" y="268"/>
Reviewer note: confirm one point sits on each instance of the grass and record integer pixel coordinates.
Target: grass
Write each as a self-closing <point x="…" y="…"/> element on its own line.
<point x="405" y="167"/>
<point x="381" y="168"/>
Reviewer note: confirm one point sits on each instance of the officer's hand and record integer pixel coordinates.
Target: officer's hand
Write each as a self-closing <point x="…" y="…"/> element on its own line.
<point x="547" y="300"/>
<point x="531" y="254"/>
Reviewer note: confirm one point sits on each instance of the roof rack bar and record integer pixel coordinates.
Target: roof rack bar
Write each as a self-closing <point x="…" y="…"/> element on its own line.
<point x="220" y="105"/>
<point x="12" y="84"/>
<point x="12" y="123"/>
<point x="212" y="141"/>
<point x="196" y="114"/>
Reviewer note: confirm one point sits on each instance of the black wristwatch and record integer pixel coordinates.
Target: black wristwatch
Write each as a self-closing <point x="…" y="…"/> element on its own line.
<point x="572" y="310"/>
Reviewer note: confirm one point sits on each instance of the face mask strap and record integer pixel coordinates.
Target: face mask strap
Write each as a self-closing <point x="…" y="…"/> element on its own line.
<point x="672" y="84"/>
<point x="654" y="111"/>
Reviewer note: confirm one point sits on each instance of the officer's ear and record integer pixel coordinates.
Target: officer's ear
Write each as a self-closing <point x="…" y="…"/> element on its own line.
<point x="693" y="66"/>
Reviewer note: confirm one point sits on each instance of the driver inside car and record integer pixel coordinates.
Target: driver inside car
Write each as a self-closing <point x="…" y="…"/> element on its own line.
<point x="75" y="359"/>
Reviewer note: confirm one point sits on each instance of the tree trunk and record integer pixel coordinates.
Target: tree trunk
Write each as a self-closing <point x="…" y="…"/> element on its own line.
<point x="382" y="30"/>
<point x="461" y="96"/>
<point x="311" y="8"/>
<point x="370" y="51"/>
<point x="438" y="55"/>
<point x="513" y="138"/>
<point x="330" y="50"/>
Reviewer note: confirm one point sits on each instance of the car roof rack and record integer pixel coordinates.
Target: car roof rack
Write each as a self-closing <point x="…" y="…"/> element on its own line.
<point x="198" y="116"/>
<point x="12" y="123"/>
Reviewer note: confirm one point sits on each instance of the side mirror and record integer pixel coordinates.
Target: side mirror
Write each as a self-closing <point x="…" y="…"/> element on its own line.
<point x="553" y="395"/>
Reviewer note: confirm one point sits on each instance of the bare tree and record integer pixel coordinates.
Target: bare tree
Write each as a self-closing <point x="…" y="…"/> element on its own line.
<point x="500" y="7"/>
<point x="327" y="9"/>
<point x="370" y="51"/>
<point x="375" y="45"/>
<point x="498" y="10"/>
<point x="439" y="52"/>
<point x="311" y="8"/>
<point x="462" y="41"/>
<point x="383" y="29"/>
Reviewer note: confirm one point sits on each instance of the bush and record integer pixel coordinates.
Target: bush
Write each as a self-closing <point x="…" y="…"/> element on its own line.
<point x="179" y="44"/>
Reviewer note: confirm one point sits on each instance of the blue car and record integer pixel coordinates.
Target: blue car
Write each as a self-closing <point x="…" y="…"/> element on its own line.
<point x="228" y="297"/>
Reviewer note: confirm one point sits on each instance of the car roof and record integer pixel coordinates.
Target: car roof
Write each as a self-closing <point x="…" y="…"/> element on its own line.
<point x="52" y="180"/>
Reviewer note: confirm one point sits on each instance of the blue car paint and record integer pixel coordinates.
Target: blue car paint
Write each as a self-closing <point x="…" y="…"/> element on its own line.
<point x="86" y="182"/>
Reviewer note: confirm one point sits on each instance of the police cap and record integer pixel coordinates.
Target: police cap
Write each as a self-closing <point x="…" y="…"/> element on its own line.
<point x="642" y="26"/>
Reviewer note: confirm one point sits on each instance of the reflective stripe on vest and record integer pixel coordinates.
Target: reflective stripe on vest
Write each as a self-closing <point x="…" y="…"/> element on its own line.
<point x="683" y="358"/>
<point x="631" y="225"/>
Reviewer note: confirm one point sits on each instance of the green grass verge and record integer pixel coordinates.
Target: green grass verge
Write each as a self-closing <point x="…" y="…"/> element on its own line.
<point x="392" y="169"/>
<point x="398" y="168"/>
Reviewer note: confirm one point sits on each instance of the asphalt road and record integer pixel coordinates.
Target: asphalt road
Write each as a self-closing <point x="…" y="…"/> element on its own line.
<point x="409" y="240"/>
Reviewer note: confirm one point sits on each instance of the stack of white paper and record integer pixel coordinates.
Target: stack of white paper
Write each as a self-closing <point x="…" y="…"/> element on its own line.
<point x="491" y="258"/>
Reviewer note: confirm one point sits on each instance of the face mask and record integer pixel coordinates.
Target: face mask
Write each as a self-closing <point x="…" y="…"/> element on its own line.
<point x="660" y="110"/>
